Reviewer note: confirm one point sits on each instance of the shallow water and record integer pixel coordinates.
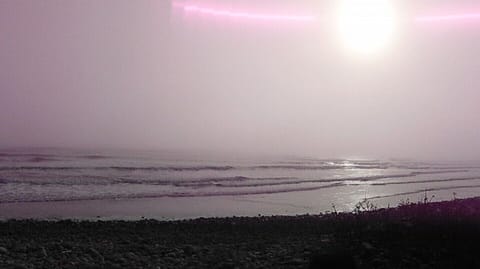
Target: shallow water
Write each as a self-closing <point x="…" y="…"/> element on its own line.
<point x="130" y="184"/>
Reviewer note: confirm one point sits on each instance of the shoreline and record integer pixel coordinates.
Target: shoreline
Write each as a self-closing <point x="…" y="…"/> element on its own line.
<point x="287" y="204"/>
<point x="422" y="235"/>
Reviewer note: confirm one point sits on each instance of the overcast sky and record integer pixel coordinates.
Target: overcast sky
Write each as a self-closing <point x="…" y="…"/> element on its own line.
<point x="134" y="74"/>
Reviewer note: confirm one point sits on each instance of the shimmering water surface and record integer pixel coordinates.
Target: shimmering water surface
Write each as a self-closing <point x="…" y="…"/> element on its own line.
<point x="61" y="184"/>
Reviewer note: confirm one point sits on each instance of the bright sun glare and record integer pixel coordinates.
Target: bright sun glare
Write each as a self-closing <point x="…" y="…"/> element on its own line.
<point x="366" y="25"/>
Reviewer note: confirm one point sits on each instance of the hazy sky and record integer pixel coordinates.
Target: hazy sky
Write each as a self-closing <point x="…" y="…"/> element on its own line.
<point x="132" y="74"/>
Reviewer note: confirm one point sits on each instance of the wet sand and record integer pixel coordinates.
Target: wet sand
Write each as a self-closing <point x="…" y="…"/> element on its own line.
<point x="426" y="235"/>
<point x="179" y="208"/>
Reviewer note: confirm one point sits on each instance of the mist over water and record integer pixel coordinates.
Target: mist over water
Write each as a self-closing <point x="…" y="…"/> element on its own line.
<point x="79" y="74"/>
<point x="120" y="101"/>
<point x="239" y="133"/>
<point x="288" y="184"/>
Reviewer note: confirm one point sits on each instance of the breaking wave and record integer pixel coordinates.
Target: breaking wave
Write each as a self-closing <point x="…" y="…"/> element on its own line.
<point x="39" y="177"/>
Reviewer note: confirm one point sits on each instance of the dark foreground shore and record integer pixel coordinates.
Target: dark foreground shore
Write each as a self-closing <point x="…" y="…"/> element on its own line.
<point x="427" y="235"/>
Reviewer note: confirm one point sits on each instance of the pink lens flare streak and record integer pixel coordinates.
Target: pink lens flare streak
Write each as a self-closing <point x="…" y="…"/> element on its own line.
<point x="202" y="10"/>
<point x="450" y="18"/>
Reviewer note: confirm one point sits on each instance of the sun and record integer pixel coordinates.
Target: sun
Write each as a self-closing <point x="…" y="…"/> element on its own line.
<point x="366" y="26"/>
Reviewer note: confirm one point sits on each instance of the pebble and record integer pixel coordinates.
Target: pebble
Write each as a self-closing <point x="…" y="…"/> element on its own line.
<point x="44" y="252"/>
<point x="296" y="261"/>
<point x="189" y="250"/>
<point x="96" y="254"/>
<point x="367" y="246"/>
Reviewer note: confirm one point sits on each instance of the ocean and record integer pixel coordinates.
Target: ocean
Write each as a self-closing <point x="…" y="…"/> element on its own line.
<point x="57" y="184"/>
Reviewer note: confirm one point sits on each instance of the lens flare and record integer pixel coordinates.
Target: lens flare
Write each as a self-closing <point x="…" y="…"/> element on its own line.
<point x="450" y="18"/>
<point x="365" y="26"/>
<point x="218" y="12"/>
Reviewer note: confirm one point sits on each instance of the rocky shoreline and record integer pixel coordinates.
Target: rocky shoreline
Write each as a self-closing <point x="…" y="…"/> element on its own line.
<point x="423" y="235"/>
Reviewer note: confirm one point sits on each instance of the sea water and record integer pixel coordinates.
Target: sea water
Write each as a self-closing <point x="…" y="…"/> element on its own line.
<point x="53" y="183"/>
